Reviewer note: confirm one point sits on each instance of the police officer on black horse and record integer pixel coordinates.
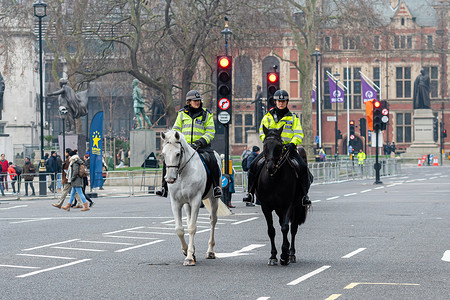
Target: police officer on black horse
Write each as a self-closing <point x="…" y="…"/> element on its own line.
<point x="197" y="125"/>
<point x="281" y="117"/>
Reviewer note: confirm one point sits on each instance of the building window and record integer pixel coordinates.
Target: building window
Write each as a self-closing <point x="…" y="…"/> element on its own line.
<point x="376" y="78"/>
<point x="326" y="89"/>
<point x="429" y="41"/>
<point x="403" y="127"/>
<point x="403" y="42"/>
<point x="242" y="124"/>
<point x="243" y="77"/>
<point x="376" y="42"/>
<point x="327" y="43"/>
<point x="353" y="85"/>
<point x="403" y="82"/>
<point x="434" y="83"/>
<point x="403" y="21"/>
<point x="350" y="42"/>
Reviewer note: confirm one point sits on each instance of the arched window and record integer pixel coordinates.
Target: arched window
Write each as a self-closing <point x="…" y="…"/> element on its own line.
<point x="267" y="66"/>
<point x="243" y="77"/>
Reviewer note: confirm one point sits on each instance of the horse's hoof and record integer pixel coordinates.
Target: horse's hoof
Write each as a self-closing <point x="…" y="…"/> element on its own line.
<point x="284" y="262"/>
<point x="210" y="255"/>
<point x="189" y="262"/>
<point x="273" y="262"/>
<point x="292" y="259"/>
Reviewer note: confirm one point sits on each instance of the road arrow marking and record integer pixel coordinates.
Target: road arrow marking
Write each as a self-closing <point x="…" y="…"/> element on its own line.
<point x="446" y="256"/>
<point x="240" y="252"/>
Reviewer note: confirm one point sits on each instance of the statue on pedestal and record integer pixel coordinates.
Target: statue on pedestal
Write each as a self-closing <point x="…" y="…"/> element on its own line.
<point x="2" y="90"/>
<point x="138" y="105"/>
<point x="71" y="105"/>
<point x="421" y="96"/>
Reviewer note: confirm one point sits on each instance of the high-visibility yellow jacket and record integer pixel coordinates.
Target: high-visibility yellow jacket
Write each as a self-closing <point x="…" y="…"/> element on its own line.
<point x="200" y="125"/>
<point x="361" y="157"/>
<point x="292" y="131"/>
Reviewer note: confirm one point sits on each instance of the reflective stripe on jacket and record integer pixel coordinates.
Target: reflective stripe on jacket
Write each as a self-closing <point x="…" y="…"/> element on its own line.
<point x="201" y="126"/>
<point x="292" y="132"/>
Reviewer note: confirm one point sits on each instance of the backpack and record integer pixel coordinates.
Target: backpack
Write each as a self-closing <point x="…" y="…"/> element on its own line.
<point x="244" y="164"/>
<point x="82" y="170"/>
<point x="19" y="170"/>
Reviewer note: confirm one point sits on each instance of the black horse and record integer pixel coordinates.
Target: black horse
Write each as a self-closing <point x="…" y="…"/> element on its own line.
<point x="278" y="190"/>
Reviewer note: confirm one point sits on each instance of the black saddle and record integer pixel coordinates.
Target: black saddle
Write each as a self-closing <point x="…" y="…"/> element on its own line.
<point x="208" y="159"/>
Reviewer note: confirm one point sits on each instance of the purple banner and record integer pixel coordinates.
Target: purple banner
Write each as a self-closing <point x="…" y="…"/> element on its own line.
<point x="368" y="92"/>
<point x="339" y="94"/>
<point x="313" y="96"/>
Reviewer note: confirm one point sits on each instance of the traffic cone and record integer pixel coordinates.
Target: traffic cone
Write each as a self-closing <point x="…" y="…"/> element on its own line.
<point x="435" y="162"/>
<point x="419" y="163"/>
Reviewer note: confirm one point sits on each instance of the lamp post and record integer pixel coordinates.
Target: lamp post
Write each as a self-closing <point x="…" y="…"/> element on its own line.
<point x="40" y="11"/>
<point x="317" y="55"/>
<point x="336" y="97"/>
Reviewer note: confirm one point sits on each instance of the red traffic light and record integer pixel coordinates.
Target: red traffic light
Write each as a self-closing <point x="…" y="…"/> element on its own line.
<point x="376" y="103"/>
<point x="272" y="77"/>
<point x="224" y="62"/>
<point x="352" y="122"/>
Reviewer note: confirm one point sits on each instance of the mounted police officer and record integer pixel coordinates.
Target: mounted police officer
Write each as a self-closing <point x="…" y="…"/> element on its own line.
<point x="281" y="117"/>
<point x="197" y="125"/>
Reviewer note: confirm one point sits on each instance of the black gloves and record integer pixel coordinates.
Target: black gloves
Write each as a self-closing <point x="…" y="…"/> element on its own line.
<point x="291" y="147"/>
<point x="200" y="143"/>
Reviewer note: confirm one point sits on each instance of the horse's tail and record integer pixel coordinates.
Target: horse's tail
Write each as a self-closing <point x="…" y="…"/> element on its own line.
<point x="222" y="211"/>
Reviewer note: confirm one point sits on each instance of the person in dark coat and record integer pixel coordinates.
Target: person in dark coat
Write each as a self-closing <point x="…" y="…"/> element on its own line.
<point x="76" y="182"/>
<point x="53" y="168"/>
<point x="4" y="172"/>
<point x="66" y="188"/>
<point x="251" y="157"/>
<point x="29" y="171"/>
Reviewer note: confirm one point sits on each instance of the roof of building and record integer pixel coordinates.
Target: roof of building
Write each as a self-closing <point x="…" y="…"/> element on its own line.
<point x="422" y="10"/>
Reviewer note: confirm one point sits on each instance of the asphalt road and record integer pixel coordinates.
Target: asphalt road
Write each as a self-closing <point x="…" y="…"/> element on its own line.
<point x="360" y="241"/>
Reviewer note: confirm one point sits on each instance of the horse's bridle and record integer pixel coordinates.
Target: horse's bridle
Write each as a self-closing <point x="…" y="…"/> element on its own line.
<point x="180" y="169"/>
<point x="282" y="159"/>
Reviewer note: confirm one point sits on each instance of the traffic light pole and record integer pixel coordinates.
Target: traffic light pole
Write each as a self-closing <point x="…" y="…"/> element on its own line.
<point x="377" y="165"/>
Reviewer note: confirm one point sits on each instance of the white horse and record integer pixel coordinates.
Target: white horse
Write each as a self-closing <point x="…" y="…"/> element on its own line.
<point x="186" y="177"/>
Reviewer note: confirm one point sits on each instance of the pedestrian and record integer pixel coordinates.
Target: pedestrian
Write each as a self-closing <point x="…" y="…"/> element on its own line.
<point x="53" y="169"/>
<point x="250" y="158"/>
<point x="322" y="155"/>
<point x="361" y="157"/>
<point x="29" y="171"/>
<point x="76" y="182"/>
<point x="4" y="172"/>
<point x="14" y="173"/>
<point x="85" y="184"/>
<point x="1" y="186"/>
<point x="65" y="184"/>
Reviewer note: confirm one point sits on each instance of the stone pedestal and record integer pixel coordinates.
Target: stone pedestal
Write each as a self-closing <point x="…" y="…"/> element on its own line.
<point x="254" y="140"/>
<point x="142" y="143"/>
<point x="73" y="141"/>
<point x="422" y="134"/>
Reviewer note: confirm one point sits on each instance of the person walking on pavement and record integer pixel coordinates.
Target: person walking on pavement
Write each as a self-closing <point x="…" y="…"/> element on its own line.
<point x="4" y="172"/>
<point x="65" y="184"/>
<point x="14" y="172"/>
<point x="76" y="182"/>
<point x="251" y="157"/>
<point x="53" y="169"/>
<point x="87" y="162"/>
<point x="361" y="157"/>
<point x="29" y="171"/>
<point x="1" y="186"/>
<point x="197" y="125"/>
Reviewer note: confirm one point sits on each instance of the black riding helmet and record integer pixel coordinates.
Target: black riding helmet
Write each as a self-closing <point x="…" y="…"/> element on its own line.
<point x="281" y="95"/>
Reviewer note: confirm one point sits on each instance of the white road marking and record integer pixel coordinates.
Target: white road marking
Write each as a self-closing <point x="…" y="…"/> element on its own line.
<point x="333" y="297"/>
<point x="18" y="267"/>
<point x="46" y="256"/>
<point x="240" y="252"/>
<point x="365" y="191"/>
<point x="379" y="188"/>
<point x="79" y="249"/>
<point x="32" y="220"/>
<point x="433" y="177"/>
<point x="394" y="184"/>
<point x="132" y="237"/>
<point x="443" y="176"/>
<point x="17" y="206"/>
<point x="314" y="201"/>
<point x="332" y="198"/>
<point x="348" y="195"/>
<point x="406" y="177"/>
<point x="122" y="230"/>
<point x="411" y="180"/>
<point x="49" y="245"/>
<point x="167" y="222"/>
<point x="138" y="246"/>
<point x="54" y="268"/>
<point x="150" y="232"/>
<point x="200" y="231"/>
<point x="421" y="179"/>
<point x="354" y="253"/>
<point x="446" y="256"/>
<point x="244" y="221"/>
<point x="164" y="228"/>
<point x="263" y="298"/>
<point x="304" y="277"/>
<point x="100" y="242"/>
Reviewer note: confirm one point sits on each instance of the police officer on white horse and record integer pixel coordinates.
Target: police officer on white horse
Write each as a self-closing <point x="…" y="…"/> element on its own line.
<point x="197" y="125"/>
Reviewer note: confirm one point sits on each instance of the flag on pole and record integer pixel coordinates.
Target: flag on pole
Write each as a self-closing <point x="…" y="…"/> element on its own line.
<point x="369" y="113"/>
<point x="95" y="153"/>
<point x="335" y="95"/>
<point x="368" y="92"/>
<point x="313" y="96"/>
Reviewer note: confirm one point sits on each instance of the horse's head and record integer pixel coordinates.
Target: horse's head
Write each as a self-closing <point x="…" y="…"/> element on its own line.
<point x="273" y="148"/>
<point x="173" y="154"/>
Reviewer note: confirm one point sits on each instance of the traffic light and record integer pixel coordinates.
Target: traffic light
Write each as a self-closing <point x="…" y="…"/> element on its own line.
<point x="224" y="89"/>
<point x="362" y="127"/>
<point x="435" y="129"/>
<point x="273" y="85"/>
<point x="380" y="115"/>
<point x="444" y="133"/>
<point x="352" y="130"/>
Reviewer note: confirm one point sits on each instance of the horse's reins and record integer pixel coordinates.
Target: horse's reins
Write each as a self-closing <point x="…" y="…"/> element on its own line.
<point x="281" y="161"/>
<point x="180" y="169"/>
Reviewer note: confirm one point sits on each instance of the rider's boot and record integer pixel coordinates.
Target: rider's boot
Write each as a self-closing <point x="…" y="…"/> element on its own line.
<point x="162" y="191"/>
<point x="306" y="201"/>
<point x="217" y="192"/>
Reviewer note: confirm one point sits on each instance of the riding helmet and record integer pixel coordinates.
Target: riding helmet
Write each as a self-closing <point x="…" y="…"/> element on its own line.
<point x="281" y="95"/>
<point x="193" y="95"/>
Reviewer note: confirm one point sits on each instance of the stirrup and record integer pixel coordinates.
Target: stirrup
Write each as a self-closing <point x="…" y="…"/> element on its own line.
<point x="248" y="198"/>
<point x="306" y="201"/>
<point x="162" y="192"/>
<point x="217" y="192"/>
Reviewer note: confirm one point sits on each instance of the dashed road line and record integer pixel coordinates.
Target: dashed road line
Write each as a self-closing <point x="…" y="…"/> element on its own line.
<point x="446" y="256"/>
<point x="434" y="177"/>
<point x="17" y="206"/>
<point x="333" y="297"/>
<point x="101" y="242"/>
<point x="394" y="184"/>
<point x="18" y="267"/>
<point x="314" y="201"/>
<point x="131" y="237"/>
<point x="352" y="194"/>
<point x="49" y="245"/>
<point x="306" y="276"/>
<point x="138" y="246"/>
<point x="122" y="230"/>
<point x="263" y="298"/>
<point x="244" y="221"/>
<point x="332" y="198"/>
<point x="354" y="253"/>
<point x="46" y="256"/>
<point x="365" y="191"/>
<point x="152" y="232"/>
<point x="79" y="249"/>
<point x="379" y="188"/>
<point x="53" y="268"/>
<point x="32" y="220"/>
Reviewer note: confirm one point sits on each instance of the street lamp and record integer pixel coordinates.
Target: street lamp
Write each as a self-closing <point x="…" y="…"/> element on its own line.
<point x="40" y="11"/>
<point x="336" y="96"/>
<point x="317" y="55"/>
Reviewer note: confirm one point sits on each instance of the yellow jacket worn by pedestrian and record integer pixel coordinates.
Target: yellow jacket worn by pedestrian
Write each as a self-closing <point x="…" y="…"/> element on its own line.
<point x="195" y="126"/>
<point x="361" y="157"/>
<point x="292" y="131"/>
